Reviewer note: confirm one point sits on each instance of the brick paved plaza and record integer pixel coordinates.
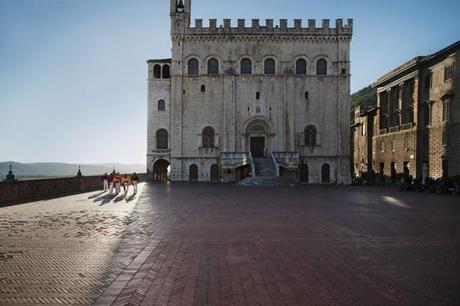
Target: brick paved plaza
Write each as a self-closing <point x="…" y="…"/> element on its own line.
<point x="186" y="244"/>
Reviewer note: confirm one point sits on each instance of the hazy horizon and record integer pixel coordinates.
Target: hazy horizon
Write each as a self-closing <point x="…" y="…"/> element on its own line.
<point x="73" y="73"/>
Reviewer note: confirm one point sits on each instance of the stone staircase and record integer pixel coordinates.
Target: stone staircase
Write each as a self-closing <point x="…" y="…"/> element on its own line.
<point x="264" y="167"/>
<point x="265" y="175"/>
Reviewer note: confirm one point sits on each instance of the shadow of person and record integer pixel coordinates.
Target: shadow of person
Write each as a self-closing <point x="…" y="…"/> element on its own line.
<point x="106" y="199"/>
<point x="96" y="195"/>
<point x="131" y="197"/>
<point x="119" y="198"/>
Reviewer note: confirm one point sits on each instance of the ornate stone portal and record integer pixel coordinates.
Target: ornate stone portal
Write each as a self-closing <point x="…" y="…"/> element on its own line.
<point x="257" y="88"/>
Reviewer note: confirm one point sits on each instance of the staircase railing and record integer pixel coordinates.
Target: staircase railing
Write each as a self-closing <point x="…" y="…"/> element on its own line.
<point x="253" y="166"/>
<point x="275" y="164"/>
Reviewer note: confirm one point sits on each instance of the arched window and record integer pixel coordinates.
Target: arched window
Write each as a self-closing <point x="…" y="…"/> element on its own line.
<point x="157" y="72"/>
<point x="269" y="66"/>
<point x="208" y="137"/>
<point x="162" y="139"/>
<point x="193" y="66"/>
<point x="161" y="105"/>
<point x="166" y="72"/>
<point x="213" y="66"/>
<point x="321" y="67"/>
<point x="246" y="66"/>
<point x="325" y="174"/>
<point x="310" y="136"/>
<point x="301" y="66"/>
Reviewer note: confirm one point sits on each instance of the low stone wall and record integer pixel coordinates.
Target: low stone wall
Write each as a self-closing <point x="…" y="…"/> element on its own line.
<point x="34" y="190"/>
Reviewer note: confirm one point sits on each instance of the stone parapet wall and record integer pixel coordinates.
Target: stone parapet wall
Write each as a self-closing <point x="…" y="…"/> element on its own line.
<point x="33" y="190"/>
<point x="269" y="27"/>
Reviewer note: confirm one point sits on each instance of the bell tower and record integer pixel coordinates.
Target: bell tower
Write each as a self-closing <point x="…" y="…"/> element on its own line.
<point x="180" y="15"/>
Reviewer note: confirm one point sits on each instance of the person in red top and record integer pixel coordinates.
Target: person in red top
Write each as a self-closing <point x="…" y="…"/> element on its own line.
<point x="116" y="182"/>
<point x="125" y="183"/>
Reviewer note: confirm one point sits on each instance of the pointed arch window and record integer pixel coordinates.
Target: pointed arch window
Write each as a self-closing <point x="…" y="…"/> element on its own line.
<point x="208" y="137"/>
<point x="213" y="66"/>
<point x="157" y="72"/>
<point x="301" y="66"/>
<point x="321" y="67"/>
<point x="162" y="139"/>
<point x="269" y="66"/>
<point x="310" y="135"/>
<point x="246" y="66"/>
<point x="192" y="66"/>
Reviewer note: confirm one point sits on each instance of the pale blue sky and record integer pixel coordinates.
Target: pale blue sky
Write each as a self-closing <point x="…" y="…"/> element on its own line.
<point x="73" y="73"/>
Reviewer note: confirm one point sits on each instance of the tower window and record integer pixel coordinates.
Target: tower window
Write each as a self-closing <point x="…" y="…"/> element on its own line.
<point x="258" y="95"/>
<point x="321" y="67"/>
<point x="180" y="6"/>
<point x="203" y="88"/>
<point x="157" y="72"/>
<point x="310" y="136"/>
<point x="307" y="95"/>
<point x="162" y="139"/>
<point x="193" y="66"/>
<point x="301" y="66"/>
<point x="166" y="72"/>
<point x="208" y="137"/>
<point x="269" y="66"/>
<point x="161" y="105"/>
<point x="246" y="66"/>
<point x="213" y="66"/>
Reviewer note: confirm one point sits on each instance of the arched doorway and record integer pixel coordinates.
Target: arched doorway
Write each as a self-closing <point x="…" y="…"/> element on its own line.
<point x="258" y="136"/>
<point x="325" y="174"/>
<point x="304" y="173"/>
<point x="193" y="173"/>
<point x="161" y="170"/>
<point x="215" y="173"/>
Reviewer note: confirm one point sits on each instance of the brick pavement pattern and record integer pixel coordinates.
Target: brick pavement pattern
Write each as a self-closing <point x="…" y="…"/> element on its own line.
<point x="210" y="244"/>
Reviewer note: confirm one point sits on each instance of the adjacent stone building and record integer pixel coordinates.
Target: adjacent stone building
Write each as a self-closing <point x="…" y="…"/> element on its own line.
<point x="234" y="93"/>
<point x="362" y="133"/>
<point x="417" y="124"/>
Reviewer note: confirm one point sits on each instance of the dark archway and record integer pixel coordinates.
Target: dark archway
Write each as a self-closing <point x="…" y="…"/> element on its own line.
<point x="193" y="173"/>
<point x="157" y="72"/>
<point x="160" y="170"/>
<point x="166" y="72"/>
<point x="325" y="174"/>
<point x="304" y="173"/>
<point x="215" y="177"/>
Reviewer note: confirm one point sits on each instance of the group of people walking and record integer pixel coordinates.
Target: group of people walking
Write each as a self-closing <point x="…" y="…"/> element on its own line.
<point x="117" y="181"/>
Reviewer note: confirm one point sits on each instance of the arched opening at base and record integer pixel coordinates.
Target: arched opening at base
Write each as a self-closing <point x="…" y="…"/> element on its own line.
<point x="304" y="173"/>
<point x="215" y="175"/>
<point x="193" y="173"/>
<point x="161" y="170"/>
<point x="325" y="174"/>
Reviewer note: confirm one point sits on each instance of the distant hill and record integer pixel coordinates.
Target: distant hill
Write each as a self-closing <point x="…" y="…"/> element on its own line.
<point x="38" y="170"/>
<point x="364" y="97"/>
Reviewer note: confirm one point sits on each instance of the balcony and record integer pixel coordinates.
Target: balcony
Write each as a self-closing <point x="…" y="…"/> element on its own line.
<point x="394" y="129"/>
<point x="161" y="151"/>
<point x="209" y="151"/>
<point x="287" y="159"/>
<point x="407" y="126"/>
<point x="230" y="160"/>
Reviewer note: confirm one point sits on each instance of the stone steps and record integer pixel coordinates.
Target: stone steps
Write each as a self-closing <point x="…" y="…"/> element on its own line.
<point x="264" y="167"/>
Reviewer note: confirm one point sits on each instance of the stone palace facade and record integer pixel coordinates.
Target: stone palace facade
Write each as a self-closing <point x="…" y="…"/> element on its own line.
<point x="233" y="93"/>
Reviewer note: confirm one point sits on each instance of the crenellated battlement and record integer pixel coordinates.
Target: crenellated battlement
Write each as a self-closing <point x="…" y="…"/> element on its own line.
<point x="269" y="27"/>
